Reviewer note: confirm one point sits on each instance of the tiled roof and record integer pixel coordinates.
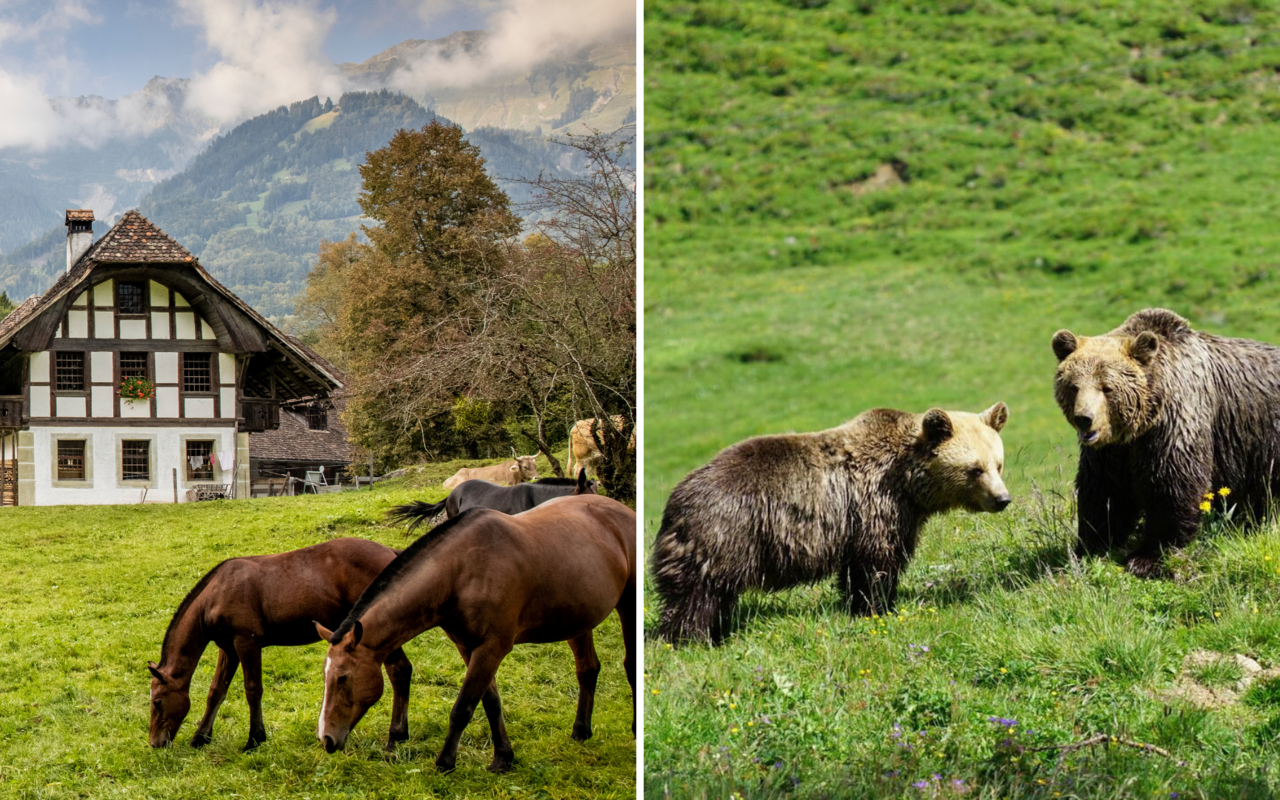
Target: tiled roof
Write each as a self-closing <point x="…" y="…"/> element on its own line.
<point x="16" y="317"/>
<point x="79" y="214"/>
<point x="294" y="441"/>
<point x="134" y="239"/>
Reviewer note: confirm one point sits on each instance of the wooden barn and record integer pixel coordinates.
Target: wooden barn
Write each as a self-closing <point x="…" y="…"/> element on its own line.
<point x="309" y="439"/>
<point x="137" y="305"/>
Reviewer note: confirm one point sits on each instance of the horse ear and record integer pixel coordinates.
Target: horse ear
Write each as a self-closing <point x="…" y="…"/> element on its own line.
<point x="357" y="633"/>
<point x="155" y="672"/>
<point x="324" y="632"/>
<point x="582" y="481"/>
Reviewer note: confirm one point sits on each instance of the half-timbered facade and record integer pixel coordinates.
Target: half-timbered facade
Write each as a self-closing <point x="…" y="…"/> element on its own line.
<point x="137" y="304"/>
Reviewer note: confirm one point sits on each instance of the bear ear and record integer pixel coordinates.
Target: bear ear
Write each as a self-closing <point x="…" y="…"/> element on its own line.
<point x="1143" y="347"/>
<point x="937" y="426"/>
<point x="1064" y="344"/>
<point x="996" y="416"/>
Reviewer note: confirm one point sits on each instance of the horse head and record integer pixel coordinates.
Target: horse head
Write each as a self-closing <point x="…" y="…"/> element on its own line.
<point x="352" y="683"/>
<point x="170" y="702"/>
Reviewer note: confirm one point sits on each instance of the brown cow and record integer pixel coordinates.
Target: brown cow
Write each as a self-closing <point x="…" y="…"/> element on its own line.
<point x="508" y="473"/>
<point x="582" y="446"/>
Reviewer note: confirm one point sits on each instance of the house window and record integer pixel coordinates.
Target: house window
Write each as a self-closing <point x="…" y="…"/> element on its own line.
<point x="70" y="460"/>
<point x="133" y="365"/>
<point x="317" y="418"/>
<point x="70" y="370"/>
<point x="201" y="469"/>
<point x="131" y="297"/>
<point x="135" y="460"/>
<point x="195" y="372"/>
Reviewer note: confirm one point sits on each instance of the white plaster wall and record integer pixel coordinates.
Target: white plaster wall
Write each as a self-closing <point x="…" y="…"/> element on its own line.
<point x="228" y="407"/>
<point x="133" y="329"/>
<point x="226" y="368"/>
<point x="104" y="294"/>
<point x="159" y="325"/>
<point x="40" y="401"/>
<point x="139" y="409"/>
<point x="39" y="366"/>
<point x="78" y="324"/>
<point x="72" y="406"/>
<point x="199" y="407"/>
<point x="159" y="294"/>
<point x="179" y="300"/>
<point x="104" y="324"/>
<point x="103" y="400"/>
<point x="184" y="323"/>
<point x="166" y="367"/>
<point x="82" y="299"/>
<point x="100" y="366"/>
<point x="106" y="490"/>
<point x="167" y="402"/>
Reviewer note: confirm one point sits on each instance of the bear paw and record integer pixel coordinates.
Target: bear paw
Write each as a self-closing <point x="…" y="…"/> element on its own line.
<point x="1145" y="567"/>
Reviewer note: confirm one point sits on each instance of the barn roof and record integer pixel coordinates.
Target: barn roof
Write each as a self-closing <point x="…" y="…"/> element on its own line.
<point x="295" y="441"/>
<point x="135" y="240"/>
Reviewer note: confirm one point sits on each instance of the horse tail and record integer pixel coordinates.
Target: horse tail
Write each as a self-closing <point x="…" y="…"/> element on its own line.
<point x="415" y="513"/>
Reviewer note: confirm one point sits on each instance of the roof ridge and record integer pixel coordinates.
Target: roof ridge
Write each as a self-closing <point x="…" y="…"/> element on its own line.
<point x="134" y="238"/>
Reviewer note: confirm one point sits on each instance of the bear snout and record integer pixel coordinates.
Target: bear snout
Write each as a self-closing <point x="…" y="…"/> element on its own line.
<point x="1002" y="502"/>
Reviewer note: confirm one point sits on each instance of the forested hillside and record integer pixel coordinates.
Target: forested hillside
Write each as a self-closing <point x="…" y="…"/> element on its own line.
<point x="255" y="205"/>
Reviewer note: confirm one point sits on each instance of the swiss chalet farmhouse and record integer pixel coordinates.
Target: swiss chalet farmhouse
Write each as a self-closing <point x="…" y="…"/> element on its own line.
<point x="136" y="303"/>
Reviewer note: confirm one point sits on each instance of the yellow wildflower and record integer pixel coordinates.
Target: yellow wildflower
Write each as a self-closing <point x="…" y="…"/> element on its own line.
<point x="1205" y="506"/>
<point x="1208" y="496"/>
<point x="1224" y="491"/>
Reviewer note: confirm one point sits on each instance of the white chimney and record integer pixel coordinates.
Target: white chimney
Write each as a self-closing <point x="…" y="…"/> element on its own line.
<point x="79" y="234"/>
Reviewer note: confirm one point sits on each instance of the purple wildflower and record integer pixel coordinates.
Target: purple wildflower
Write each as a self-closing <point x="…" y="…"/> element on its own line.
<point x="1005" y="721"/>
<point x="921" y="784"/>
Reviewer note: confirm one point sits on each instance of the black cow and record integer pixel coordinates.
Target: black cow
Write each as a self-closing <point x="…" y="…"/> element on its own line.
<point x="483" y="494"/>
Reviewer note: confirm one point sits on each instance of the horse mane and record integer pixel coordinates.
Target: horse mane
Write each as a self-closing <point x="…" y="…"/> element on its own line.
<point x="556" y="482"/>
<point x="395" y="569"/>
<point x="183" y="606"/>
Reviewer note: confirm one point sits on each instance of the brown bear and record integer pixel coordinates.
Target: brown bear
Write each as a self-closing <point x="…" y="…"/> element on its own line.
<point x="777" y="511"/>
<point x="1164" y="415"/>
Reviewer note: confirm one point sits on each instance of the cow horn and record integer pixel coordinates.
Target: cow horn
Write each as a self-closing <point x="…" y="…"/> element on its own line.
<point x="513" y="451"/>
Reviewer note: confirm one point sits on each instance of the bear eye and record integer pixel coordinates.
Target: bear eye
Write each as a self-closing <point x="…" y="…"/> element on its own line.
<point x="976" y="472"/>
<point x="1106" y="388"/>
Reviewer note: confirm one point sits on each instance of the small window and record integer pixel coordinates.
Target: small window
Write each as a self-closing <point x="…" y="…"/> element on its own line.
<point x="133" y="365"/>
<point x="198" y="466"/>
<point x="135" y="460"/>
<point x="317" y="418"/>
<point x="70" y="372"/>
<point x="131" y="297"/>
<point x="70" y="460"/>
<point x="195" y="373"/>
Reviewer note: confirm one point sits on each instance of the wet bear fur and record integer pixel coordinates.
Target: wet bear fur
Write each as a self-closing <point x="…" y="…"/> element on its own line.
<point x="1165" y="415"/>
<point x="778" y="511"/>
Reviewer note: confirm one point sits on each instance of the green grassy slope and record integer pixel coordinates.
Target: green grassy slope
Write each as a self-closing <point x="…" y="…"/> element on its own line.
<point x="1040" y="165"/>
<point x="84" y="602"/>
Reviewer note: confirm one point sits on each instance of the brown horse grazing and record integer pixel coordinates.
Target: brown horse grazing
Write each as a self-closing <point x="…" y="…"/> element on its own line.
<point x="246" y="604"/>
<point x="491" y="581"/>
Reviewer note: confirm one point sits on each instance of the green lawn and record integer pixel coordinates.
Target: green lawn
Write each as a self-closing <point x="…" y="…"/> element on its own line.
<point x="1063" y="164"/>
<point x="84" y="602"/>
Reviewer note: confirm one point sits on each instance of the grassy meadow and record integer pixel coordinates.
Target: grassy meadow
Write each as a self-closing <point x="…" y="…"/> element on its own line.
<point x="84" y="602"/>
<point x="865" y="203"/>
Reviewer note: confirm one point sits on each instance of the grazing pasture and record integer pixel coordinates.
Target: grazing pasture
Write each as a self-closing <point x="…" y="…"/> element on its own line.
<point x="861" y="204"/>
<point x="87" y="592"/>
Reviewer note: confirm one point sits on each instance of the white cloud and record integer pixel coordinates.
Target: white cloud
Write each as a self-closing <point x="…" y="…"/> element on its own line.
<point x="522" y="33"/>
<point x="59" y="16"/>
<point x="271" y="54"/>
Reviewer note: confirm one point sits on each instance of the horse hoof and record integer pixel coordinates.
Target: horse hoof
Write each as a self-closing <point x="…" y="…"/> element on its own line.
<point x="253" y="744"/>
<point x="443" y="765"/>
<point x="581" y="733"/>
<point x="200" y="740"/>
<point x="501" y="764"/>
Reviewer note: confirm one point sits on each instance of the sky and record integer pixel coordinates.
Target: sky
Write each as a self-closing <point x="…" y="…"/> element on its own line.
<point x="247" y="56"/>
